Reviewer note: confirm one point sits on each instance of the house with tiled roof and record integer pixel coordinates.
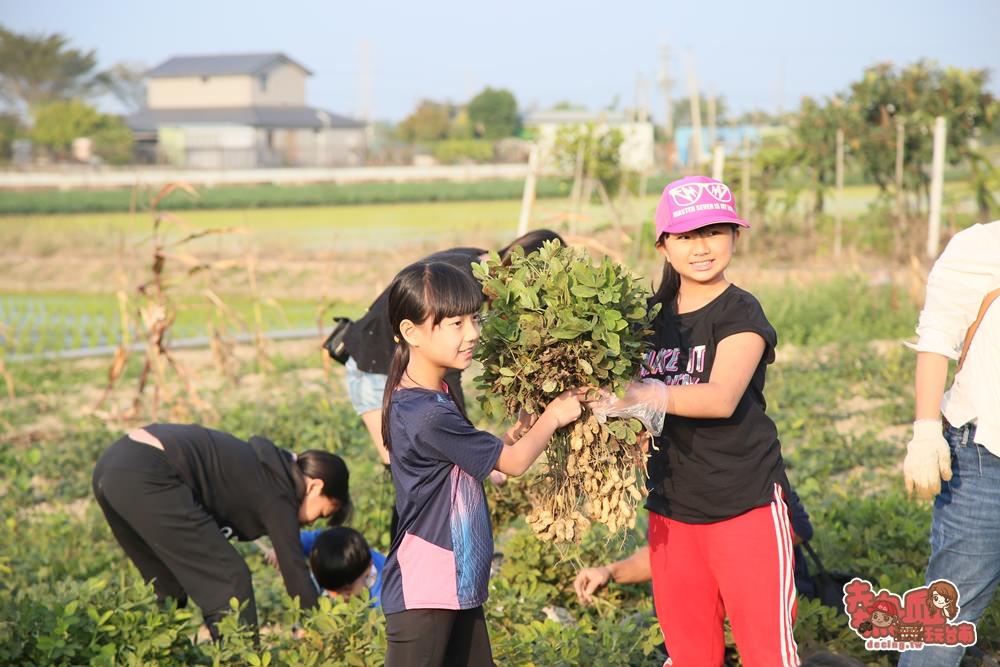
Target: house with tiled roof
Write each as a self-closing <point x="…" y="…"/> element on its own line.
<point x="239" y="111"/>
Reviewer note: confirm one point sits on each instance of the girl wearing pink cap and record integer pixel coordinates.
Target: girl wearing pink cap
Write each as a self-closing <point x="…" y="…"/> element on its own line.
<point x="719" y="532"/>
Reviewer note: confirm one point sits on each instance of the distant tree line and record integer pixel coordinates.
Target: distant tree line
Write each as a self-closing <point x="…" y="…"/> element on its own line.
<point x="45" y="85"/>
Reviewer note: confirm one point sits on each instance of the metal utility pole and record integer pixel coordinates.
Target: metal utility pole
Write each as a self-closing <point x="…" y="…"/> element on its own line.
<point x="694" y="99"/>
<point x="641" y="99"/>
<point x="781" y="90"/>
<point x="937" y="188"/>
<point x="712" y="120"/>
<point x="365" y="104"/>
<point x="666" y="83"/>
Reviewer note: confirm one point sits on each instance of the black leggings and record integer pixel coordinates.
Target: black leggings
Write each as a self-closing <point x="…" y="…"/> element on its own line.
<point x="171" y="539"/>
<point x="438" y="638"/>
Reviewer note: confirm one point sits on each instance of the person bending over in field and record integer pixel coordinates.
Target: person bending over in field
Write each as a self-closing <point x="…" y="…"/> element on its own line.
<point x="174" y="495"/>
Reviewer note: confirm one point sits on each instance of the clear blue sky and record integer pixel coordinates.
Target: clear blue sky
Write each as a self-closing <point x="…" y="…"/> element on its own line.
<point x="752" y="52"/>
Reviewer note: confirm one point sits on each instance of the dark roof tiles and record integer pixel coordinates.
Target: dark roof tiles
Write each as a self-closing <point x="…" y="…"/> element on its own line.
<point x="230" y="64"/>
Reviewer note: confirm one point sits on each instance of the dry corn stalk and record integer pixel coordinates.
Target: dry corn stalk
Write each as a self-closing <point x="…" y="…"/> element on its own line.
<point x="7" y="377"/>
<point x="156" y="313"/>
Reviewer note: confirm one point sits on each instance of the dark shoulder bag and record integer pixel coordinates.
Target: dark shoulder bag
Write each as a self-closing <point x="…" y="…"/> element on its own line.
<point x="336" y="343"/>
<point x="829" y="585"/>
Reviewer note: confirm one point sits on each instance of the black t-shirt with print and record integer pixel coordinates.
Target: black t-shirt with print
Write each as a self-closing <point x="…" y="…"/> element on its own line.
<point x="706" y="470"/>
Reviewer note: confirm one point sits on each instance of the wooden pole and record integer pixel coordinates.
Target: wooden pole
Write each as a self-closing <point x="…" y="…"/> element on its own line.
<point x="898" y="233"/>
<point x="528" y="197"/>
<point x="718" y="161"/>
<point x="745" y="183"/>
<point x="608" y="204"/>
<point x="937" y="188"/>
<point x="574" y="194"/>
<point x="838" y="233"/>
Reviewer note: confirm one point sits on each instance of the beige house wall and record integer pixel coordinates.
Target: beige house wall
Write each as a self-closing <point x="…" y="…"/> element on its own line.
<point x="200" y="92"/>
<point x="285" y="87"/>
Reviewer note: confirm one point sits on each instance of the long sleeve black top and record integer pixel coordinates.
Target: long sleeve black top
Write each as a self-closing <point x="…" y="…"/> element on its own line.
<point x="250" y="488"/>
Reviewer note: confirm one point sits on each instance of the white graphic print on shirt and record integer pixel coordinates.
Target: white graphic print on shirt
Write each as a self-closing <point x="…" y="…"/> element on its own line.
<point x="665" y="362"/>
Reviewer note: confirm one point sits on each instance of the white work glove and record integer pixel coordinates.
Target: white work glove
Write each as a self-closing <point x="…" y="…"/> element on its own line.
<point x="928" y="459"/>
<point x="645" y="400"/>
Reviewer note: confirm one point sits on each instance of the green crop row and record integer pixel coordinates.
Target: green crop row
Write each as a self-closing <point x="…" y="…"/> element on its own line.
<point x="35" y="324"/>
<point x="269" y="196"/>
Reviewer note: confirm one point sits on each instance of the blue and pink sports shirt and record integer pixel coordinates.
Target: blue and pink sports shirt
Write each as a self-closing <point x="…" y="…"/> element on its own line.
<point x="440" y="558"/>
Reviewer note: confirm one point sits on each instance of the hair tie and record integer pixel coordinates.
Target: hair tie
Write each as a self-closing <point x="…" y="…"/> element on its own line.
<point x="395" y="339"/>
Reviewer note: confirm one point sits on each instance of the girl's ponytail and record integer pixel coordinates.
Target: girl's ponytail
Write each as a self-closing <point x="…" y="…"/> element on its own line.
<point x="400" y="360"/>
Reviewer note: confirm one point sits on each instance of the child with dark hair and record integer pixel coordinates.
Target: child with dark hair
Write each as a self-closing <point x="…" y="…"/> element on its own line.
<point x="342" y="563"/>
<point x="718" y="490"/>
<point x="370" y="345"/>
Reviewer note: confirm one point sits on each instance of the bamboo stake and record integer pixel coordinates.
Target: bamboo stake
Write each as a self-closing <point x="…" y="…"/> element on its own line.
<point x="937" y="188"/>
<point x="745" y="184"/>
<point x="528" y="197"/>
<point x="900" y="226"/>
<point x="718" y="161"/>
<point x="838" y="231"/>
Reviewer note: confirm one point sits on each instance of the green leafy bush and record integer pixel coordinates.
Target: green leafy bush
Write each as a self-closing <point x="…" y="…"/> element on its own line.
<point x="457" y="151"/>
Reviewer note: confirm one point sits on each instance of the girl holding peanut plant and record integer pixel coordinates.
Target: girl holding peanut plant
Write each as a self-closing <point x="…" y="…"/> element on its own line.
<point x="719" y="533"/>
<point x="435" y="577"/>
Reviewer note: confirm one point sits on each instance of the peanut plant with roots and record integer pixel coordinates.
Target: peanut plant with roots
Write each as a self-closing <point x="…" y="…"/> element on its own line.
<point x="558" y="321"/>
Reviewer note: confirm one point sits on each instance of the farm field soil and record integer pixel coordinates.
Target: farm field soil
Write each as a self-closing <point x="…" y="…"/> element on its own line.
<point x="840" y="393"/>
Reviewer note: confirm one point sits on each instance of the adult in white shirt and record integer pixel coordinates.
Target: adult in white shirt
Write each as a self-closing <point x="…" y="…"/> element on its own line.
<point x="963" y="448"/>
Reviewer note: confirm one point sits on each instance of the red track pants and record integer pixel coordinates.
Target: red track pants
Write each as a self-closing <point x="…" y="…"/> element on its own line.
<point x="741" y="567"/>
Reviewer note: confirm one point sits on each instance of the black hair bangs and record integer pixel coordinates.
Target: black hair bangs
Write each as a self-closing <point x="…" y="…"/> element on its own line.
<point x="450" y="292"/>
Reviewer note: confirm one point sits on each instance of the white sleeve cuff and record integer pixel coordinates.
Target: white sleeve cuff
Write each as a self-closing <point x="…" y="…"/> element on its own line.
<point x="936" y="342"/>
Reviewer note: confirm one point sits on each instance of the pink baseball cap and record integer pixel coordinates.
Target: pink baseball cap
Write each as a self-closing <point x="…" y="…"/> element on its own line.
<point x="693" y="202"/>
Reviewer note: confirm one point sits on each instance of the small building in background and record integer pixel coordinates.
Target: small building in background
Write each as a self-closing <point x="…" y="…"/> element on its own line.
<point x="636" y="151"/>
<point x="235" y="111"/>
<point x="730" y="137"/>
